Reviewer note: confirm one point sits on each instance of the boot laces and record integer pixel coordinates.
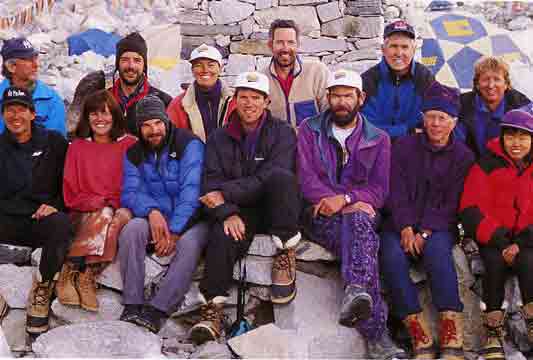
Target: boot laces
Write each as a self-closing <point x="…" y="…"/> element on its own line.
<point x="86" y="280"/>
<point x="417" y="333"/>
<point x="210" y="312"/>
<point x="448" y="331"/>
<point x="282" y="261"/>
<point x="41" y="294"/>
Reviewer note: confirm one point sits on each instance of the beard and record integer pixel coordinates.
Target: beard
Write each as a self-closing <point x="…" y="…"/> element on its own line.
<point x="136" y="81"/>
<point x="343" y="120"/>
<point x="292" y="59"/>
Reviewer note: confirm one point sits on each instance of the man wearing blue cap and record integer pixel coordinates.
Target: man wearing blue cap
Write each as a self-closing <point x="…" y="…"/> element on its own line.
<point x="20" y="68"/>
<point x="394" y="87"/>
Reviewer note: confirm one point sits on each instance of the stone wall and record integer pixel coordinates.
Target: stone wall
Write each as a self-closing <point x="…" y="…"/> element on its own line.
<point x="337" y="33"/>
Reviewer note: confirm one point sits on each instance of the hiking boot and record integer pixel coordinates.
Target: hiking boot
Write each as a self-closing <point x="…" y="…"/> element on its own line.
<point x="87" y="289"/>
<point x="151" y="318"/>
<point x="493" y="347"/>
<point x="527" y="310"/>
<point x="356" y="305"/>
<point x="210" y="326"/>
<point x="421" y="337"/>
<point x="130" y="313"/>
<point x="384" y="348"/>
<point x="38" y="307"/>
<point x="66" y="287"/>
<point x="451" y="335"/>
<point x="4" y="308"/>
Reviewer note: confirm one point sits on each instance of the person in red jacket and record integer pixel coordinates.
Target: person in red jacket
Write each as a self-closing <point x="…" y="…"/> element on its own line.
<point x="497" y="210"/>
<point x="91" y="188"/>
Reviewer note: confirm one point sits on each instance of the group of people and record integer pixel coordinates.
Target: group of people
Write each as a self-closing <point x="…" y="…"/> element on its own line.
<point x="378" y="168"/>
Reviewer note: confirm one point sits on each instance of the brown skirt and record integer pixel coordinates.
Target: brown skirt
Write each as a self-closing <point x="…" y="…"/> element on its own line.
<point x="96" y="234"/>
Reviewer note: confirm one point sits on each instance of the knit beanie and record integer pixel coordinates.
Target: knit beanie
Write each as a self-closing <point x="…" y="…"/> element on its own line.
<point x="133" y="42"/>
<point x="442" y="98"/>
<point x="150" y="107"/>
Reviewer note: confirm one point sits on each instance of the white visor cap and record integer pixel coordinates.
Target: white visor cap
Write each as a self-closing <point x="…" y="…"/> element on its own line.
<point x="206" y="52"/>
<point x="253" y="80"/>
<point x="344" y="77"/>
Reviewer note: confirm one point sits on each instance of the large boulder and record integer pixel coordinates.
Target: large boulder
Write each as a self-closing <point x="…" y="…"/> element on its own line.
<point x="110" y="308"/>
<point x="15" y="284"/>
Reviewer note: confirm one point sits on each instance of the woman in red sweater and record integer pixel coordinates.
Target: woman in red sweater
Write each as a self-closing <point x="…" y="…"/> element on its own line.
<point x="91" y="189"/>
<point x="497" y="210"/>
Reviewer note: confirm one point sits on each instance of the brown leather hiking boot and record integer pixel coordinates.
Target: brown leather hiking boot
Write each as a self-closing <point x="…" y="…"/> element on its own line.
<point x="284" y="276"/>
<point x="66" y="287"/>
<point x="527" y="310"/>
<point x="493" y="347"/>
<point x="451" y="335"/>
<point x="87" y="289"/>
<point x="421" y="337"/>
<point x="210" y="326"/>
<point x="38" y="306"/>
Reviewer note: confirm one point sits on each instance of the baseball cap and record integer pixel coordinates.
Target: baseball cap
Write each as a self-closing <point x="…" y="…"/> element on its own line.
<point x="15" y="95"/>
<point x="397" y="27"/>
<point x="18" y="48"/>
<point x="344" y="77"/>
<point x="253" y="80"/>
<point x="206" y="52"/>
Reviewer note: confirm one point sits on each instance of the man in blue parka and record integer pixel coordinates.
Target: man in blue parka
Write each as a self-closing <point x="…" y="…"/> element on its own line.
<point x="394" y="87"/>
<point x="20" y="68"/>
<point x="161" y="187"/>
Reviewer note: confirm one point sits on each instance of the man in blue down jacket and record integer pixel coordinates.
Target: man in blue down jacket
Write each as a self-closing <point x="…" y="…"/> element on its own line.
<point x="161" y="187"/>
<point x="395" y="86"/>
<point x="427" y="176"/>
<point x="249" y="187"/>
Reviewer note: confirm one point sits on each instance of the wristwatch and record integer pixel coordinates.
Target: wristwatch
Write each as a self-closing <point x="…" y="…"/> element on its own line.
<point x="424" y="235"/>
<point x="347" y="199"/>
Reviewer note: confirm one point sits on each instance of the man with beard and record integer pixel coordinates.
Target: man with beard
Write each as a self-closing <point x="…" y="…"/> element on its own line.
<point x="297" y="88"/>
<point x="132" y="85"/>
<point x="249" y="187"/>
<point x="161" y="186"/>
<point x="396" y="85"/>
<point x="343" y="169"/>
<point x="20" y="68"/>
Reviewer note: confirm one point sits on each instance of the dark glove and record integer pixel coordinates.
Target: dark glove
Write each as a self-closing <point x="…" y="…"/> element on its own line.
<point x="500" y="239"/>
<point x="524" y="239"/>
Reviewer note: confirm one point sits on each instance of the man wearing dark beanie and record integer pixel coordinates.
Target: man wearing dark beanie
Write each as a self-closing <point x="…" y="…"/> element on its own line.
<point x="428" y="170"/>
<point x="132" y="84"/>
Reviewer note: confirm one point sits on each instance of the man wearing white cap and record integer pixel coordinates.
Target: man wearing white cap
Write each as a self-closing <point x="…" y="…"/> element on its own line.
<point x="249" y="186"/>
<point x="343" y="170"/>
<point x="205" y="105"/>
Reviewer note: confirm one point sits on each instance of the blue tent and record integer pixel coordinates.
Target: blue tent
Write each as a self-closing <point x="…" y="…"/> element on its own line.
<point x="99" y="41"/>
<point x="456" y="41"/>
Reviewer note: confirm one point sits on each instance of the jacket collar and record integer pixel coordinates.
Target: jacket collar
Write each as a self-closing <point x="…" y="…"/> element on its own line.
<point x="189" y="99"/>
<point x="298" y="65"/>
<point x="424" y="140"/>
<point x="38" y="136"/>
<point x="321" y="124"/>
<point x="234" y="128"/>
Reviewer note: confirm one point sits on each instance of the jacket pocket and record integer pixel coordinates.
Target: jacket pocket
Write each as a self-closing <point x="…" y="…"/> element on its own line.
<point x="304" y="109"/>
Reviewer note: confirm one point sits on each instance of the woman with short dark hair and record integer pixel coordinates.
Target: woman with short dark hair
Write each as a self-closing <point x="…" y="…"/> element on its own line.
<point x="91" y="188"/>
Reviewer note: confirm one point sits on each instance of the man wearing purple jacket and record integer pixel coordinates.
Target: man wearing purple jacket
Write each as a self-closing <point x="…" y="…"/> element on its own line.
<point x="343" y="164"/>
<point x="427" y="177"/>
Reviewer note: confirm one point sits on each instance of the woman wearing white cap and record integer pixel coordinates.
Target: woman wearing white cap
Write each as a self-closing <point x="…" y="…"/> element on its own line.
<point x="205" y="105"/>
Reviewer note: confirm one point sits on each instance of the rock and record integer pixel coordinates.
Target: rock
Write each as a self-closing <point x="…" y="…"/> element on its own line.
<point x="358" y="66"/>
<point x="111" y="277"/>
<point x="364" y="7"/>
<point x="5" y="352"/>
<point x="374" y="43"/>
<point x="10" y="254"/>
<point x="258" y="270"/>
<point x="239" y="63"/>
<point x="263" y="4"/>
<point x="363" y="26"/>
<point x="14" y="327"/>
<point x="250" y="47"/>
<point x="110" y="308"/>
<point x="304" y="16"/>
<point x="520" y="23"/>
<point x="15" y="284"/>
<point x="229" y="11"/>
<point x="195" y="41"/>
<point x="329" y="11"/>
<point x="392" y="12"/>
<point x="262" y="245"/>
<point x="197" y="17"/>
<point x="308" y="45"/>
<point x="329" y="59"/>
<point x="365" y="54"/>
<point x="173" y="329"/>
<point x="203" y="30"/>
<point x="267" y="342"/>
<point x="517" y="331"/>
<point x="260" y="292"/>
<point x="212" y="350"/>
<point x="324" y="297"/>
<point x="189" y="4"/>
<point x="333" y="28"/>
<point x="222" y="40"/>
<point x="310" y="251"/>
<point x="104" y="339"/>
<point x="247" y="26"/>
<point x="300" y="2"/>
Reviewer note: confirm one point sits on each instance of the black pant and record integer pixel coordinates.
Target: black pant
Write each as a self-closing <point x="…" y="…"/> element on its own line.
<point x="277" y="214"/>
<point x="53" y="233"/>
<point x="496" y="272"/>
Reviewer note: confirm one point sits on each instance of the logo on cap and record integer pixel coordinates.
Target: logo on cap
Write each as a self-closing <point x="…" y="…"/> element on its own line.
<point x="12" y="93"/>
<point x="401" y="25"/>
<point x="340" y="75"/>
<point x="203" y="48"/>
<point x="252" y="77"/>
<point x="27" y="44"/>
